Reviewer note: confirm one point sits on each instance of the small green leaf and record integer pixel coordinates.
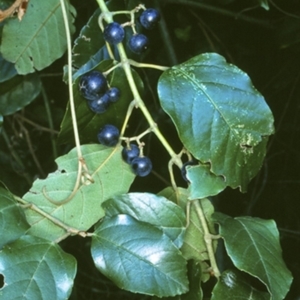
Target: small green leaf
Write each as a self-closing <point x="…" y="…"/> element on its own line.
<point x="203" y="183"/>
<point x="194" y="246"/>
<point x="18" y="92"/>
<point x="13" y="223"/>
<point x="35" y="269"/>
<point x="39" y="39"/>
<point x="138" y="257"/>
<point x="220" y="117"/>
<point x="264" y="4"/>
<point x="232" y="286"/>
<point x="253" y="246"/>
<point x="152" y="209"/>
<point x="8" y="70"/>
<point x="84" y="209"/>
<point x="89" y="123"/>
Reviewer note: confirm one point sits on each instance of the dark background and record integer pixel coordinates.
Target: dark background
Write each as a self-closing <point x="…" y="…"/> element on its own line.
<point x="264" y="44"/>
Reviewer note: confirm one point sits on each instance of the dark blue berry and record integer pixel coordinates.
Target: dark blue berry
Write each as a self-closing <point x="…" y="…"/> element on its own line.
<point x="114" y="94"/>
<point x="149" y="18"/>
<point x="138" y="43"/>
<point x="141" y="166"/>
<point x="131" y="152"/>
<point x="108" y="135"/>
<point x="100" y="105"/>
<point x="114" y="33"/>
<point x="183" y="169"/>
<point x="92" y="85"/>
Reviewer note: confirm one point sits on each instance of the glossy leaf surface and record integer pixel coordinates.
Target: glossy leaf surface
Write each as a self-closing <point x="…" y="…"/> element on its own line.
<point x="13" y="223"/>
<point x="253" y="246"/>
<point x="18" y="92"/>
<point x="35" y="269"/>
<point x="152" y="209"/>
<point x="39" y="39"/>
<point x="138" y="257"/>
<point x="232" y="286"/>
<point x="220" y="117"/>
<point x="84" y="209"/>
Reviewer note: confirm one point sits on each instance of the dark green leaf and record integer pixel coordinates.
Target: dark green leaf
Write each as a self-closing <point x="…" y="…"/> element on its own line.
<point x="232" y="286"/>
<point x="253" y="246"/>
<point x="220" y="117"/>
<point x="89" y="123"/>
<point x="39" y="39"/>
<point x="13" y="223"/>
<point x="7" y="70"/>
<point x="18" y="92"/>
<point x="203" y="183"/>
<point x="35" y="269"/>
<point x="152" y="209"/>
<point x="138" y="257"/>
<point x="84" y="209"/>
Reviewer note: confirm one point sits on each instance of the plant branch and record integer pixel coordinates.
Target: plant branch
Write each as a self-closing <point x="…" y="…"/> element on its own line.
<point x="208" y="237"/>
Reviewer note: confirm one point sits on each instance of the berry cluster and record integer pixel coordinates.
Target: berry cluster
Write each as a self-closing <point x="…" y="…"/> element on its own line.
<point x="94" y="88"/>
<point x="114" y="32"/>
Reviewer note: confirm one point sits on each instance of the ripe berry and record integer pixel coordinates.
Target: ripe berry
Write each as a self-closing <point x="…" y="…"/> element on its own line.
<point x="108" y="135"/>
<point x="138" y="43"/>
<point x="114" y="94"/>
<point x="183" y="169"/>
<point x="130" y="153"/>
<point x="149" y="18"/>
<point x="92" y="85"/>
<point x="141" y="166"/>
<point x="99" y="105"/>
<point x="114" y="33"/>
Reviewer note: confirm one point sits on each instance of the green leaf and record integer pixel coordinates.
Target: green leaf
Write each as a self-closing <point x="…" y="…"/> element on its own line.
<point x="89" y="123"/>
<point x="194" y="246"/>
<point x="152" y="209"/>
<point x="232" y="286"/>
<point x="89" y="41"/>
<point x="138" y="257"/>
<point x="13" y="223"/>
<point x="35" y="269"/>
<point x="7" y="69"/>
<point x="18" y="92"/>
<point x="203" y="183"/>
<point x="253" y="246"/>
<point x="220" y="117"/>
<point x="194" y="277"/>
<point x="84" y="209"/>
<point x="39" y="39"/>
<point x="1" y="122"/>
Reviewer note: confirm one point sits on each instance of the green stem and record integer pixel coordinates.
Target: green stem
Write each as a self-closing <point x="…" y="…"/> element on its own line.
<point x="208" y="238"/>
<point x="139" y="102"/>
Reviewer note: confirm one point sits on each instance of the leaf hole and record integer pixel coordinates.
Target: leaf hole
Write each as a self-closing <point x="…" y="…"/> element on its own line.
<point x="245" y="146"/>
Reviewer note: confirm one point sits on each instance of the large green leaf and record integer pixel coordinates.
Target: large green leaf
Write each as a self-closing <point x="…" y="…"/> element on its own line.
<point x="35" y="269"/>
<point x="220" y="117"/>
<point x="89" y="123"/>
<point x="111" y="176"/>
<point x="18" y="92"/>
<point x="152" y="209"/>
<point x="13" y="223"/>
<point x="139" y="257"/>
<point x="232" y="286"/>
<point x="253" y="246"/>
<point x="39" y="39"/>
